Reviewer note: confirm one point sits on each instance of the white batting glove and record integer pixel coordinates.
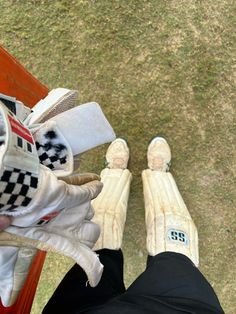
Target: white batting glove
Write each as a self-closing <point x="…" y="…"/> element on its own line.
<point x="33" y="195"/>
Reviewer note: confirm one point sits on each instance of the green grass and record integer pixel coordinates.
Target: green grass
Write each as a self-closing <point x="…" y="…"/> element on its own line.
<point x="155" y="67"/>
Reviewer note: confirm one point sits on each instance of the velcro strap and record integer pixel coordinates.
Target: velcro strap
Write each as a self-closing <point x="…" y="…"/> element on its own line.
<point x="85" y="127"/>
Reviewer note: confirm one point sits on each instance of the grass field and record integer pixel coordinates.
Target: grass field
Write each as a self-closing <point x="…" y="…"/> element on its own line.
<point x="155" y="67"/>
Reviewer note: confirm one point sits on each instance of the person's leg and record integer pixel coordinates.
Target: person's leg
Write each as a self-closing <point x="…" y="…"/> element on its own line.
<point x="111" y="204"/>
<point x="169" y="224"/>
<point x="73" y="293"/>
<point x="173" y="278"/>
<point x="169" y="276"/>
<point x="170" y="284"/>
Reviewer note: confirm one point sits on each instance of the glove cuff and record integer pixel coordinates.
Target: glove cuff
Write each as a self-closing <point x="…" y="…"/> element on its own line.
<point x="19" y="164"/>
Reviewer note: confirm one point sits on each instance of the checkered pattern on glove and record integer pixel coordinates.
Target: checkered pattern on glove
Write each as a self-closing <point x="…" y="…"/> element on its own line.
<point x="17" y="188"/>
<point x="52" y="153"/>
<point x="53" y="149"/>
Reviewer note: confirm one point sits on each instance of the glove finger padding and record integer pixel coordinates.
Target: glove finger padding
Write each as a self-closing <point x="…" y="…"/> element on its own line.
<point x="14" y="240"/>
<point x="69" y="234"/>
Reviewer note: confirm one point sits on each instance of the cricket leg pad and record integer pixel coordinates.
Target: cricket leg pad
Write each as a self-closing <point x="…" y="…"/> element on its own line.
<point x="111" y="206"/>
<point x="168" y="222"/>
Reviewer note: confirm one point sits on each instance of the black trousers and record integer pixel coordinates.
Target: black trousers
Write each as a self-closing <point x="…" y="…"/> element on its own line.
<point x="170" y="284"/>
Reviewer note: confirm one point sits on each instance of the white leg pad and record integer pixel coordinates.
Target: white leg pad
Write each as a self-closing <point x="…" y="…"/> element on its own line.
<point x="169" y="224"/>
<point x="111" y="206"/>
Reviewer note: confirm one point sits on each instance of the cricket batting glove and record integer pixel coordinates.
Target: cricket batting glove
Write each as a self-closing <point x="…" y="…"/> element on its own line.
<point x="61" y="135"/>
<point x="48" y="213"/>
<point x="111" y="204"/>
<point x="70" y="133"/>
<point x="168" y="222"/>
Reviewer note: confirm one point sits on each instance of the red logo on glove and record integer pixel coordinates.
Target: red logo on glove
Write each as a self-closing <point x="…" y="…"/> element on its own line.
<point x="47" y="218"/>
<point x="20" y="130"/>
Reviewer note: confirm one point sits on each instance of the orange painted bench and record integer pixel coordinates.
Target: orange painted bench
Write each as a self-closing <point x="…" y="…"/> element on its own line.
<point x="17" y="82"/>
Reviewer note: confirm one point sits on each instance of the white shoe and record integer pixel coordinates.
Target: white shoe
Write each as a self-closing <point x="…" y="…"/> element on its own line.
<point x="159" y="155"/>
<point x="117" y="155"/>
